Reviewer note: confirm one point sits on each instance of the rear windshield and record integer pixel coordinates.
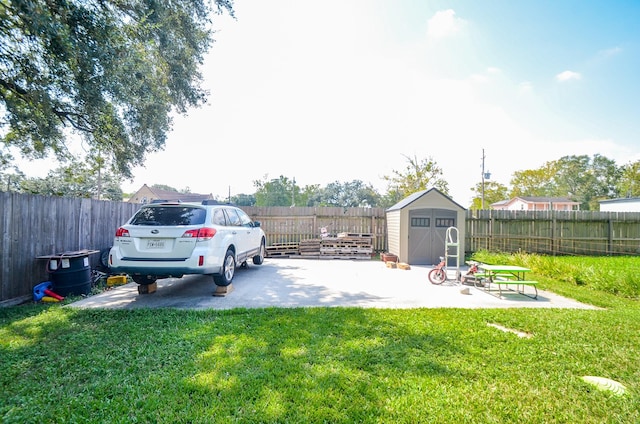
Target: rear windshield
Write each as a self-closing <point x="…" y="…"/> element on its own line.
<point x="164" y="215"/>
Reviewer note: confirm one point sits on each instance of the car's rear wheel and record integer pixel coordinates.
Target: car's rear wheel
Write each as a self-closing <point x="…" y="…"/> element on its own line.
<point x="259" y="258"/>
<point x="144" y="280"/>
<point x="228" y="270"/>
<point x="104" y="258"/>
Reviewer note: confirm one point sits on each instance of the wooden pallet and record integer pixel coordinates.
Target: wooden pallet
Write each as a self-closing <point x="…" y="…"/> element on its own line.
<point x="309" y="247"/>
<point x="347" y="250"/>
<point x="339" y="242"/>
<point x="355" y="235"/>
<point x="347" y="246"/>
<point x="282" y="249"/>
<point x="358" y="257"/>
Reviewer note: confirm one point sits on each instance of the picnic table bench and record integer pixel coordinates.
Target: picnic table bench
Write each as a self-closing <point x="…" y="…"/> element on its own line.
<point x="507" y="275"/>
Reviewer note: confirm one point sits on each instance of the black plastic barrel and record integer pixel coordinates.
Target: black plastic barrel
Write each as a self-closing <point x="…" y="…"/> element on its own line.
<point x="74" y="279"/>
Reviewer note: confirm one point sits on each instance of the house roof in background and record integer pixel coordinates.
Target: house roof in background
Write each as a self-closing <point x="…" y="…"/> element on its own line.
<point x="174" y="195"/>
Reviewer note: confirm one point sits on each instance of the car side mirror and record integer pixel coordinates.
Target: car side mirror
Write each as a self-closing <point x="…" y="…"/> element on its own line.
<point x="256" y="223"/>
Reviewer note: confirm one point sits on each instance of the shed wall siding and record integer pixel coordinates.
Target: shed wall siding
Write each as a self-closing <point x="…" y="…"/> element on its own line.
<point x="393" y="232"/>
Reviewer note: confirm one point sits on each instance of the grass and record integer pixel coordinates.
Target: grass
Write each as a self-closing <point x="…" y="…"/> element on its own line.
<point x="337" y="365"/>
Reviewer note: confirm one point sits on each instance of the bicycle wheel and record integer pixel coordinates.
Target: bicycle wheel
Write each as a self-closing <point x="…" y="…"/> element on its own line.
<point x="437" y="276"/>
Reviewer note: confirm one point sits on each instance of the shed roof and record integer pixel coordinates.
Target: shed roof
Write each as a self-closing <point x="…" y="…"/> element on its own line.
<point x="622" y="200"/>
<point x="418" y="194"/>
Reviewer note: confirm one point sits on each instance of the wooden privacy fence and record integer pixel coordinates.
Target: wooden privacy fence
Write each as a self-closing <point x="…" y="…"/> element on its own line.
<point x="293" y="225"/>
<point x="554" y="232"/>
<point x="32" y="226"/>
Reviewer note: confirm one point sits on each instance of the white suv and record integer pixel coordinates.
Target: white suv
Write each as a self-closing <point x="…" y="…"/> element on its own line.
<point x="171" y="239"/>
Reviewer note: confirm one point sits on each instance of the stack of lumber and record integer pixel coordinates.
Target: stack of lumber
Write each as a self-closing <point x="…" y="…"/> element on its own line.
<point x="309" y="247"/>
<point x="344" y="246"/>
<point x="347" y="246"/>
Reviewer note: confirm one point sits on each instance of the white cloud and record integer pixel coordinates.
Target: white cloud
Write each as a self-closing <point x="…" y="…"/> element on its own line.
<point x="613" y="51"/>
<point x="444" y="24"/>
<point x="525" y="87"/>
<point x="568" y="76"/>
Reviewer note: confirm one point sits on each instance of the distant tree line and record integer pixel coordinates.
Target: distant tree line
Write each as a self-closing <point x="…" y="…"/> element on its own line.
<point x="582" y="178"/>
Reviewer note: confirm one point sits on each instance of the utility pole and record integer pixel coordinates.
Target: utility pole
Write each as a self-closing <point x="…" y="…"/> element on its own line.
<point x="483" y="179"/>
<point x="293" y="192"/>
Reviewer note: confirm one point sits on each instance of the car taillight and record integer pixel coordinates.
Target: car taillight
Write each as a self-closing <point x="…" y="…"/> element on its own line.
<point x="122" y="232"/>
<point x="201" y="234"/>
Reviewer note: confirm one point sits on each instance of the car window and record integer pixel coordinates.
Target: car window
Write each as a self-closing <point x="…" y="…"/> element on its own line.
<point x="245" y="221"/>
<point x="219" y="218"/>
<point x="168" y="216"/>
<point x="234" y="219"/>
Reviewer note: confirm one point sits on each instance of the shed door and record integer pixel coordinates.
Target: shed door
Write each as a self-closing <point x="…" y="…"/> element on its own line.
<point x="427" y="231"/>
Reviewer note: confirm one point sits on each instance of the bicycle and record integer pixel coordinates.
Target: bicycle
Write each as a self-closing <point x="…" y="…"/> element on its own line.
<point x="438" y="274"/>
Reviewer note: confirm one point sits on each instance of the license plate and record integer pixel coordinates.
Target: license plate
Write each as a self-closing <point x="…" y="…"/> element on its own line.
<point x="155" y="244"/>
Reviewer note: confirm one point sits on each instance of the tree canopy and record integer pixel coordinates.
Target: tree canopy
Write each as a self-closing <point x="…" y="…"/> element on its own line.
<point x="493" y="192"/>
<point x="418" y="175"/>
<point x="581" y="178"/>
<point x="109" y="71"/>
<point x="629" y="183"/>
<point x="283" y="191"/>
<point x="76" y="179"/>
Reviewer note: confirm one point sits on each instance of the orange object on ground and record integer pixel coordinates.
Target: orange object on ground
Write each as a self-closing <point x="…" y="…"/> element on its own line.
<point x="52" y="294"/>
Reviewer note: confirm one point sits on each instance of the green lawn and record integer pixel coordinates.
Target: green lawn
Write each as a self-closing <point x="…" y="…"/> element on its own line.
<point x="335" y="365"/>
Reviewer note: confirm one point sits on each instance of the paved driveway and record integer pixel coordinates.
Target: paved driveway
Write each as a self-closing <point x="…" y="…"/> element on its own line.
<point x="283" y="282"/>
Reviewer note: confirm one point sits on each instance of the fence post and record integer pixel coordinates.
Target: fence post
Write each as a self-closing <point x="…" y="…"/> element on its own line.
<point x="609" y="235"/>
<point x="491" y="225"/>
<point x="553" y="233"/>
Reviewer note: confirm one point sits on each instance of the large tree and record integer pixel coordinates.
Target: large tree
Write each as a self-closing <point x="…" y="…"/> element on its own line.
<point x="629" y="183"/>
<point x="417" y="175"/>
<point x="275" y="192"/>
<point x="586" y="179"/>
<point x="534" y="182"/>
<point x="111" y="71"/>
<point x="76" y="179"/>
<point x="582" y="178"/>
<point x="493" y="192"/>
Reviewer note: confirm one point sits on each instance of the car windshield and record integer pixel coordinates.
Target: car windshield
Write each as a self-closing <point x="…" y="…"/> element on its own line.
<point x="169" y="215"/>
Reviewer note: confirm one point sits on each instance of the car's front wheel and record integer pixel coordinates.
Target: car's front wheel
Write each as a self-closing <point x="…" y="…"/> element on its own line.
<point x="259" y="258"/>
<point x="228" y="270"/>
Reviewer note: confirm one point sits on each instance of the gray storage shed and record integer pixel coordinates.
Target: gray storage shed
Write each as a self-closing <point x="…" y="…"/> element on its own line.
<point x="417" y="227"/>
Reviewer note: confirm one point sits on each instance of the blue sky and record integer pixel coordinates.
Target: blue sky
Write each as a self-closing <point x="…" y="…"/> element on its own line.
<point x="342" y="90"/>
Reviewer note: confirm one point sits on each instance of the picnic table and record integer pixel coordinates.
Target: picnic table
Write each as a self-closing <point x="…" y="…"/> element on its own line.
<point x="507" y="275"/>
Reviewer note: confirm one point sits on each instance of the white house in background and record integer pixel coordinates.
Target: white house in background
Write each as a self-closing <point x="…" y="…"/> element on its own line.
<point x="537" y="204"/>
<point x="629" y="204"/>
